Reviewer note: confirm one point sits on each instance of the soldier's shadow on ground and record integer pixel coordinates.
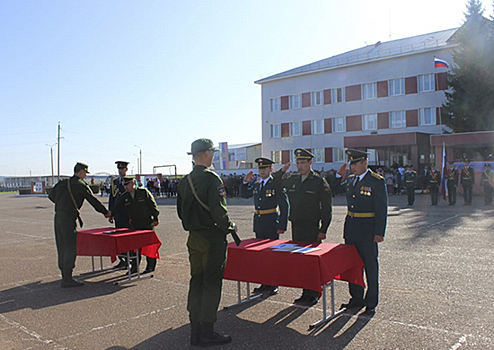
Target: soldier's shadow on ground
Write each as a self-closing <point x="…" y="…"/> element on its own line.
<point x="39" y="295"/>
<point x="274" y="333"/>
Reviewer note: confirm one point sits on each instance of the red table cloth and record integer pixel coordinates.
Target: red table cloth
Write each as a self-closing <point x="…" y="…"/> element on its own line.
<point x="256" y="261"/>
<point x="95" y="242"/>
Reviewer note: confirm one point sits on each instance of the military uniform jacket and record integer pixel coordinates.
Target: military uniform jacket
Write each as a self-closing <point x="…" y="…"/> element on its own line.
<point x="210" y="189"/>
<point x="452" y="176"/>
<point x="434" y="178"/>
<point x="80" y="190"/>
<point x="487" y="178"/>
<point x="116" y="189"/>
<point x="310" y="200"/>
<point x="410" y="178"/>
<point x="467" y="177"/>
<point x="369" y="196"/>
<point x="267" y="199"/>
<point x="142" y="209"/>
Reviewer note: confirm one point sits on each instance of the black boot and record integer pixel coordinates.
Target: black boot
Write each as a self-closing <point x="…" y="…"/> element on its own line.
<point x="68" y="281"/>
<point x="195" y="332"/>
<point x="209" y="337"/>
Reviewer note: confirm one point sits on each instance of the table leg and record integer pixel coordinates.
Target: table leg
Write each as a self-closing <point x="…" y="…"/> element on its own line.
<point x="325" y="319"/>
<point x="139" y="277"/>
<point x="239" y="293"/>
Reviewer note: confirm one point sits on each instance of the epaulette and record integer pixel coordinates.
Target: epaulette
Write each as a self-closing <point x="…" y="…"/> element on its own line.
<point x="212" y="173"/>
<point x="377" y="176"/>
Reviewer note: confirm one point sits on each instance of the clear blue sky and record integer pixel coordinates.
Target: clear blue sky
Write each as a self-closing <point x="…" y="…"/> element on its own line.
<point x="159" y="74"/>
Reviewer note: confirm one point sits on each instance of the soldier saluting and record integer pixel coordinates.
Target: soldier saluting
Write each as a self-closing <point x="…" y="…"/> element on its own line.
<point x="365" y="223"/>
<point x="271" y="208"/>
<point x="310" y="207"/>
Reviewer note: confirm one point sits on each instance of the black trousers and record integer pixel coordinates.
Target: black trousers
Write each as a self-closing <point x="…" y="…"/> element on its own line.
<point x="306" y="231"/>
<point x="207" y="257"/>
<point x="434" y="194"/>
<point x="488" y="194"/>
<point x="451" y="193"/>
<point x="411" y="194"/>
<point x="66" y="240"/>
<point x="467" y="194"/>
<point x="369" y="253"/>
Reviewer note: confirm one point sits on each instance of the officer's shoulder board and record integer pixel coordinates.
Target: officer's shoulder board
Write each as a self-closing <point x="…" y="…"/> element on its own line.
<point x="376" y="175"/>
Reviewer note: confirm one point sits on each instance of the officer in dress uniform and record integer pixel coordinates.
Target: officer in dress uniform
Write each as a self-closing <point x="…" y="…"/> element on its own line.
<point x="310" y="207"/>
<point x="142" y="210"/>
<point x="434" y="180"/>
<point x="452" y="179"/>
<point x="365" y="223"/>
<point x="271" y="208"/>
<point x="121" y="219"/>
<point x="201" y="205"/>
<point x="487" y="179"/>
<point x="467" y="180"/>
<point x="410" y="183"/>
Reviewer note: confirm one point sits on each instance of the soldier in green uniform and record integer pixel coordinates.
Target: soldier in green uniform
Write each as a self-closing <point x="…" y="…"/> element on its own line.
<point x="410" y="183"/>
<point x="434" y="181"/>
<point x="142" y="211"/>
<point x="201" y="205"/>
<point x="365" y="223"/>
<point x="467" y="180"/>
<point x="451" y="182"/>
<point x="68" y="196"/>
<point x="310" y="207"/>
<point x="487" y="179"/>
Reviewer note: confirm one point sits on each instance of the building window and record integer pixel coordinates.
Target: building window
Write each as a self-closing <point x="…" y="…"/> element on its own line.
<point x="319" y="155"/>
<point x="339" y="124"/>
<point x="292" y="157"/>
<point x="316" y="98"/>
<point x="318" y="126"/>
<point x="397" y="87"/>
<point x="276" y="157"/>
<point x="275" y="104"/>
<point x="369" y="122"/>
<point x="275" y="130"/>
<point x="426" y="82"/>
<point x="427" y="116"/>
<point x="296" y="129"/>
<point x="295" y="101"/>
<point x="369" y="91"/>
<point x="337" y="95"/>
<point x="339" y="154"/>
<point x="397" y="119"/>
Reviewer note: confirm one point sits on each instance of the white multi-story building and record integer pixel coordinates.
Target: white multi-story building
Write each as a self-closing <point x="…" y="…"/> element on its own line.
<point x="384" y="98"/>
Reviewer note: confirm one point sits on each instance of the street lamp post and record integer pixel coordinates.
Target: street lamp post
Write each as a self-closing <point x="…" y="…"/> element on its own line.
<point x="51" y="156"/>
<point x="140" y="159"/>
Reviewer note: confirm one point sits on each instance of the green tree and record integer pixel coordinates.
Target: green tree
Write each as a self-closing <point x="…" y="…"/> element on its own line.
<point x="470" y="104"/>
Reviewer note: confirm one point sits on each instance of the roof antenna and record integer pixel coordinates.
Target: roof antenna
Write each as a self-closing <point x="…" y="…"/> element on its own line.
<point x="390" y="23"/>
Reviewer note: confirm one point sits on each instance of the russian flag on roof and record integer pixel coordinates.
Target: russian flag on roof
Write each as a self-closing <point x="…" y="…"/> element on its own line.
<point x="440" y="63"/>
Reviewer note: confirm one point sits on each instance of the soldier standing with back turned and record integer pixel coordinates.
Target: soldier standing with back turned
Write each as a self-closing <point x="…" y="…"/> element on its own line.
<point x="201" y="205"/>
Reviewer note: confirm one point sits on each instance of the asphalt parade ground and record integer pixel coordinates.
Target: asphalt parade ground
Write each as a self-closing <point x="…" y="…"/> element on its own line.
<point x="436" y="287"/>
